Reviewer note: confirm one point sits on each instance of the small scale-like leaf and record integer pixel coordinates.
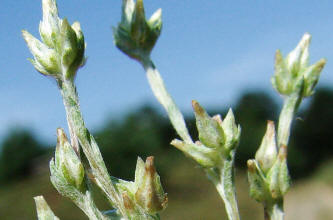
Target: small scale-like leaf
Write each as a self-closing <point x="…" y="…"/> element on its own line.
<point x="258" y="188"/>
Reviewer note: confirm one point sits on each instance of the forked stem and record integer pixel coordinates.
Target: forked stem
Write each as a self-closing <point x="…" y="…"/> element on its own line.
<point x="157" y="85"/>
<point x="224" y="181"/>
<point x="274" y="211"/>
<point x="287" y="114"/>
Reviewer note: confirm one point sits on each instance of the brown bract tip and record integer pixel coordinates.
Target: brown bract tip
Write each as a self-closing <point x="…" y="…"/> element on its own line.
<point x="197" y="108"/>
<point x="283" y="152"/>
<point x="61" y="136"/>
<point x="251" y="166"/>
<point x="127" y="201"/>
<point x="149" y="166"/>
<point x="270" y="129"/>
<point x="217" y="118"/>
<point x="322" y="63"/>
<point x="198" y="143"/>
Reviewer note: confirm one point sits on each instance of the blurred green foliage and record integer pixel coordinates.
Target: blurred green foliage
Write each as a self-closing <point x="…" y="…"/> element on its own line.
<point x="252" y="112"/>
<point x="145" y="131"/>
<point x="141" y="133"/>
<point x="18" y="151"/>
<point x="312" y="139"/>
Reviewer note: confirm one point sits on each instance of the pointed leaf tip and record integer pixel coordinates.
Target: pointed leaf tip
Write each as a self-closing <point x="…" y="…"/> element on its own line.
<point x="197" y="108"/>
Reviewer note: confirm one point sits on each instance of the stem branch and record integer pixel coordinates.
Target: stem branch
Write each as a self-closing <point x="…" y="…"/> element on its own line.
<point x="157" y="85"/>
<point x="289" y="109"/>
<point x="88" y="143"/>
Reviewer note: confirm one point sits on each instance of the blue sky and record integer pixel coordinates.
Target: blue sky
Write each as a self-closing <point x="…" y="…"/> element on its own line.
<point x="210" y="51"/>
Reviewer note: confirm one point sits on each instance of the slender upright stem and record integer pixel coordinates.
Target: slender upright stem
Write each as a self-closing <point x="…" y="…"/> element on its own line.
<point x="70" y="122"/>
<point x="274" y="211"/>
<point x="224" y="181"/>
<point x="162" y="95"/>
<point x="88" y="143"/>
<point x="289" y="109"/>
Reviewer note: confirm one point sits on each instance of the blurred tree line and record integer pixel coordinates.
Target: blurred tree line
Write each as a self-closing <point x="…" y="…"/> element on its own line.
<point x="146" y="132"/>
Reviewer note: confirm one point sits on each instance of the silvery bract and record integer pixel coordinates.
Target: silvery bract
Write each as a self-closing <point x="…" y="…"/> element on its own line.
<point x="293" y="74"/>
<point x="61" y="51"/>
<point x="136" y="36"/>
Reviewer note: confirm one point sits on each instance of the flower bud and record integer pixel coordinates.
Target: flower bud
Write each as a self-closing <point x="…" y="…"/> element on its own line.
<point x="297" y="60"/>
<point x="267" y="152"/>
<point x="217" y="138"/>
<point x="215" y="133"/>
<point x="49" y="27"/>
<point x="62" y="51"/>
<point x="278" y="176"/>
<point x="135" y="36"/>
<point x="290" y="72"/>
<point x="149" y="195"/>
<point x="311" y="76"/>
<point x="144" y="197"/>
<point x="67" y="161"/>
<point x="210" y="131"/>
<point x="231" y="130"/>
<point x="269" y="182"/>
<point x="72" y="48"/>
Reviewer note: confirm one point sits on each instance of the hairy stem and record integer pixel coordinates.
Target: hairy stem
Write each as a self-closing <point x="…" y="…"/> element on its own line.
<point x="274" y="211"/>
<point x="224" y="181"/>
<point x="88" y="206"/>
<point x="289" y="109"/>
<point x="162" y="95"/>
<point x="88" y="143"/>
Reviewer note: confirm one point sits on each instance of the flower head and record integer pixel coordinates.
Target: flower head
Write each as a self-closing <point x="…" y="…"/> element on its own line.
<point x="61" y="51"/>
<point x="293" y="74"/>
<point x="218" y="138"/>
<point x="136" y="36"/>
